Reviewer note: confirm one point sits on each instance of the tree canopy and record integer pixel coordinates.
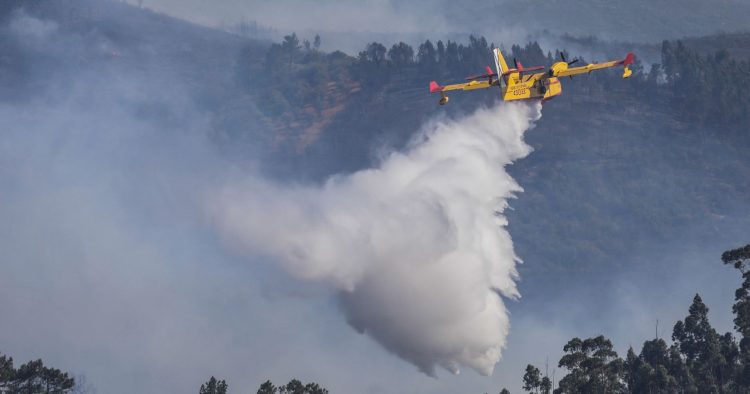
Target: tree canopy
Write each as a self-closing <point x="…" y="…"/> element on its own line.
<point x="32" y="378"/>
<point x="214" y="386"/>
<point x="699" y="360"/>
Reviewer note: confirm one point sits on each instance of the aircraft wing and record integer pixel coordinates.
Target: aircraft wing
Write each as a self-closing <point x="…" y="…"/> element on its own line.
<point x="598" y="66"/>
<point x="472" y="85"/>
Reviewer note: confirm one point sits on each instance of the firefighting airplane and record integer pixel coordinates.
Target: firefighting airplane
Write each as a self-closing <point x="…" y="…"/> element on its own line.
<point x="516" y="84"/>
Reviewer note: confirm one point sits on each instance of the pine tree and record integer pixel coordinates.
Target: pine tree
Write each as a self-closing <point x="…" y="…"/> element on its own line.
<point x="593" y="367"/>
<point x="401" y="54"/>
<point x="441" y="53"/>
<point x="314" y="388"/>
<point x="532" y="379"/>
<point x="545" y="386"/>
<point x="679" y="370"/>
<point x="650" y="372"/>
<point x="427" y="56"/>
<point x="452" y="59"/>
<point x="632" y="364"/>
<point x="375" y="53"/>
<point x="214" y="386"/>
<point x="740" y="259"/>
<point x="316" y="42"/>
<point x="7" y="372"/>
<point x="291" y="48"/>
<point x="701" y="346"/>
<point x="267" y="388"/>
<point x="33" y="377"/>
<point x="293" y="387"/>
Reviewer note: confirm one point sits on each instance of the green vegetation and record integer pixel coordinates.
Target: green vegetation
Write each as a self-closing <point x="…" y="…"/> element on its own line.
<point x="293" y="387"/>
<point x="32" y="378"/>
<point x="699" y="360"/>
<point x="740" y="259"/>
<point x="534" y="382"/>
<point x="214" y="386"/>
<point x="308" y="94"/>
<point x="711" y="88"/>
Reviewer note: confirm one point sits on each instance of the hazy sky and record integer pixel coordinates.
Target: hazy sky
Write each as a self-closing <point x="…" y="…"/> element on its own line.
<point x="633" y="21"/>
<point x="331" y="15"/>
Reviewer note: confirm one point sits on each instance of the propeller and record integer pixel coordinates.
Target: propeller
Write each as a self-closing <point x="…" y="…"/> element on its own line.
<point x="488" y="75"/>
<point x="574" y="61"/>
<point x="521" y="69"/>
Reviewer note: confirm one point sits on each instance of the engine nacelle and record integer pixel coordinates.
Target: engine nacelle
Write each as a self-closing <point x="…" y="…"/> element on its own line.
<point x="557" y="68"/>
<point x="627" y="72"/>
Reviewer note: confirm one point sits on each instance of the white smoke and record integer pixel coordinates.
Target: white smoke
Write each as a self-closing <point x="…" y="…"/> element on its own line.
<point x="416" y="248"/>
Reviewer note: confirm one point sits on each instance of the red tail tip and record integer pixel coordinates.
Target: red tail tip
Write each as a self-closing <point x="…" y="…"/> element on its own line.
<point x="434" y="87"/>
<point x="628" y="59"/>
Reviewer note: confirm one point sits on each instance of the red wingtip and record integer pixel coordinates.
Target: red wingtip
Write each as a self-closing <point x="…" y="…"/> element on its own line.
<point x="489" y="70"/>
<point x="434" y="87"/>
<point x="628" y="59"/>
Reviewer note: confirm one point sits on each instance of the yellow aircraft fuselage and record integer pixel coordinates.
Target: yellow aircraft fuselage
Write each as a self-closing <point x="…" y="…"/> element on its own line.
<point x="520" y="84"/>
<point x="531" y="87"/>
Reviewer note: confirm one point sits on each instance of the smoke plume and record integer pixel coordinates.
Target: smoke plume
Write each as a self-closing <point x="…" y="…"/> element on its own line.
<point x="416" y="248"/>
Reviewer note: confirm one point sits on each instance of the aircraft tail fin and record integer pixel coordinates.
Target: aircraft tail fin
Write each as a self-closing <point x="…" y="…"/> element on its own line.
<point x="500" y="65"/>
